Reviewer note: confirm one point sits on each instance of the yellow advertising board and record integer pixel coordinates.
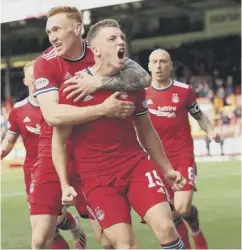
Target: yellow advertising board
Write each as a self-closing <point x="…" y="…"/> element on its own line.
<point x="226" y="19"/>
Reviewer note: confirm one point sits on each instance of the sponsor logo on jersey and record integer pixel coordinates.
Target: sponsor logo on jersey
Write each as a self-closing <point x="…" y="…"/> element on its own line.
<point x="41" y="83"/>
<point x="166" y="111"/>
<point x="87" y="98"/>
<point x="124" y="95"/>
<point x="26" y="119"/>
<point x="175" y="98"/>
<point x="34" y="130"/>
<point x="167" y="108"/>
<point x="99" y="213"/>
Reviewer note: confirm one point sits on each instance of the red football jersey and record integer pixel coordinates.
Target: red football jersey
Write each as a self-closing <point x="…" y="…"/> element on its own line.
<point x="50" y="72"/>
<point x="24" y="119"/>
<point x="106" y="145"/>
<point x="168" y="108"/>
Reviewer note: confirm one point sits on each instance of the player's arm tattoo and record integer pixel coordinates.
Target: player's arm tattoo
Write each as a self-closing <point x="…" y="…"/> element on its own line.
<point x="198" y="116"/>
<point x="204" y="123"/>
<point x="132" y="77"/>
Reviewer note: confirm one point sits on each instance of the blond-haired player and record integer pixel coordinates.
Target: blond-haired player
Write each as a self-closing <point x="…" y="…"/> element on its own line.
<point x="24" y="121"/>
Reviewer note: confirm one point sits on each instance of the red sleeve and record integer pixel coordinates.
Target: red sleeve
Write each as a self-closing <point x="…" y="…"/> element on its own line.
<point x="46" y="76"/>
<point x="141" y="106"/>
<point x="13" y="127"/>
<point x="191" y="97"/>
<point x="192" y="104"/>
<point x="63" y="95"/>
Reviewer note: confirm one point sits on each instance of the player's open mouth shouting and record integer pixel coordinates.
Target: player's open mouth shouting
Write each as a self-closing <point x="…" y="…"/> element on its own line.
<point x="121" y="54"/>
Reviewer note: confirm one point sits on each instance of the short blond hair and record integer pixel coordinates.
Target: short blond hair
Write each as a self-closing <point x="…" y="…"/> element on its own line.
<point x="28" y="65"/>
<point x="95" y="28"/>
<point x="71" y="12"/>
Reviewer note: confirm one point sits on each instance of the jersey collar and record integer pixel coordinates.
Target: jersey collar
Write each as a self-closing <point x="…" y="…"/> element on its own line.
<point x="164" y="88"/>
<point x="82" y="56"/>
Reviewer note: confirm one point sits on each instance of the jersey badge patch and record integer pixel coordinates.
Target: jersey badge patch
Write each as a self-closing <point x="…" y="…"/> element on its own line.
<point x="41" y="83"/>
<point x="175" y="98"/>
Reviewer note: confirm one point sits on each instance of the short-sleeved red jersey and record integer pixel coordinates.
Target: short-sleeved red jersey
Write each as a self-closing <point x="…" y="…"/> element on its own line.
<point x="168" y="108"/>
<point x="24" y="119"/>
<point x="106" y="145"/>
<point x="50" y="72"/>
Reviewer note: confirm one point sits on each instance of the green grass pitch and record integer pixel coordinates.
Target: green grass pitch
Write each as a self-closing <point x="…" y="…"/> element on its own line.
<point x="218" y="201"/>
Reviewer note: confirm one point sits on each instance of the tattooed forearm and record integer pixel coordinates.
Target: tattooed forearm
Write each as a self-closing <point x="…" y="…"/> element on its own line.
<point x="204" y="123"/>
<point x="132" y="77"/>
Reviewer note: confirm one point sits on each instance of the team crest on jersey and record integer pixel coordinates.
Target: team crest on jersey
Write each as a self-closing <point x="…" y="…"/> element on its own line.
<point x="99" y="213"/>
<point x="124" y="95"/>
<point x="175" y="98"/>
